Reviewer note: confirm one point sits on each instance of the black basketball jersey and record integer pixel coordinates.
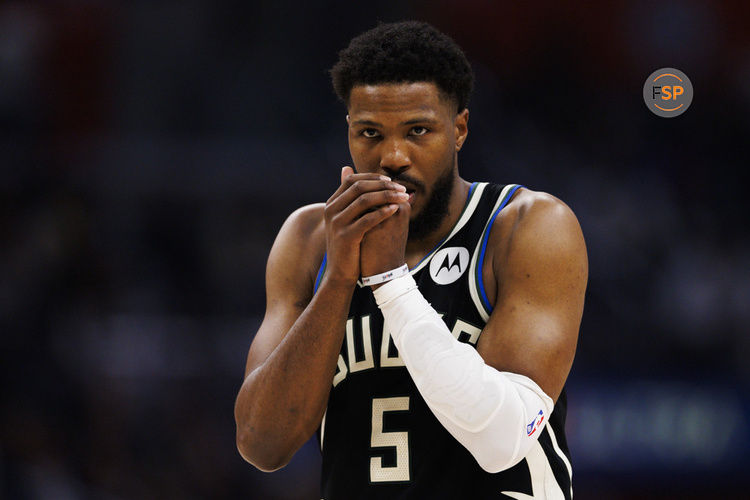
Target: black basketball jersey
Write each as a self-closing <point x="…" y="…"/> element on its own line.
<point x="378" y="437"/>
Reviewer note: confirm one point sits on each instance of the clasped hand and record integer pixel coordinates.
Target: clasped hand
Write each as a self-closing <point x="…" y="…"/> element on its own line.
<point x="367" y="225"/>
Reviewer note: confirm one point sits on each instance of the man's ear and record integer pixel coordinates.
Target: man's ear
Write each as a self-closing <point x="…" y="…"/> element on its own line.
<point x="461" y="126"/>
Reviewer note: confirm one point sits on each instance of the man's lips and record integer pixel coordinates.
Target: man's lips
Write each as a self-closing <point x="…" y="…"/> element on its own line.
<point x="412" y="193"/>
<point x="410" y="190"/>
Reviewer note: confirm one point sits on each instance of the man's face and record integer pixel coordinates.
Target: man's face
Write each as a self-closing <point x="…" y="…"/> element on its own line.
<point x="410" y="133"/>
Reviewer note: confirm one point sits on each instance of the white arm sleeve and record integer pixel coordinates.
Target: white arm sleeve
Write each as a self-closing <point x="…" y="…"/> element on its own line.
<point x="497" y="416"/>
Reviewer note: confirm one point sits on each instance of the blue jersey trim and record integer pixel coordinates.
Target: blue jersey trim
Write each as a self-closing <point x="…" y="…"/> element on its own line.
<point x="480" y="266"/>
<point x="320" y="273"/>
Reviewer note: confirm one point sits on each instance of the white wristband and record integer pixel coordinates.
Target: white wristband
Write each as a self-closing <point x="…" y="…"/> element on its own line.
<point x="376" y="279"/>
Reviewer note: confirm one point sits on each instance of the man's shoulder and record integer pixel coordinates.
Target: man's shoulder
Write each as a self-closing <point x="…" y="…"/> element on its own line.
<point x="536" y="234"/>
<point x="303" y="234"/>
<point x="300" y="244"/>
<point x="538" y="216"/>
<point x="307" y="221"/>
<point x="527" y="205"/>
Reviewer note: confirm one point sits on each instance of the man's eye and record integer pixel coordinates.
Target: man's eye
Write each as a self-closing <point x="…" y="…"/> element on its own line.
<point x="418" y="131"/>
<point x="370" y="133"/>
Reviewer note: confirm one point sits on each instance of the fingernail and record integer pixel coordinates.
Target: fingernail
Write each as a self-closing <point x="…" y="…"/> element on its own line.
<point x="399" y="187"/>
<point x="403" y="196"/>
<point x="384" y="178"/>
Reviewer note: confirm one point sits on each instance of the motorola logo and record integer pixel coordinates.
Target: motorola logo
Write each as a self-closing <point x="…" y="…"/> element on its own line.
<point x="448" y="264"/>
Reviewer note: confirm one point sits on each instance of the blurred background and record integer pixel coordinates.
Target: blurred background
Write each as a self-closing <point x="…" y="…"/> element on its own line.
<point x="150" y="151"/>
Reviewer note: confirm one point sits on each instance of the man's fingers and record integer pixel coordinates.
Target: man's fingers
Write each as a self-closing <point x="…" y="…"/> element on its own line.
<point x="348" y="180"/>
<point x="372" y="219"/>
<point x="346" y="172"/>
<point x="367" y="202"/>
<point x="404" y="208"/>
<point x="362" y="188"/>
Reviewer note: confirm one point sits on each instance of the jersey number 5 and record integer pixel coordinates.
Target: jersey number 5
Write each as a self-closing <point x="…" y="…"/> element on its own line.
<point x="380" y="439"/>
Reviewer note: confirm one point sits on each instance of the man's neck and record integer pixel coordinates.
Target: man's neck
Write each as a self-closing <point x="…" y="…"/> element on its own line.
<point x="416" y="249"/>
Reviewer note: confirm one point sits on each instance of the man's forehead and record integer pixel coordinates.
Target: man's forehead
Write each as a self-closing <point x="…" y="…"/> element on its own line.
<point x="424" y="97"/>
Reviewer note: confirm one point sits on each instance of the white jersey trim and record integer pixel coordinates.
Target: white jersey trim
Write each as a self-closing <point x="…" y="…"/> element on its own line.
<point x="473" y="285"/>
<point x="476" y="196"/>
<point x="323" y="429"/>
<point x="562" y="456"/>
<point x="543" y="483"/>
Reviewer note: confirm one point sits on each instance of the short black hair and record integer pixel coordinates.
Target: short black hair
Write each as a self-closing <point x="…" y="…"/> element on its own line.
<point x="407" y="51"/>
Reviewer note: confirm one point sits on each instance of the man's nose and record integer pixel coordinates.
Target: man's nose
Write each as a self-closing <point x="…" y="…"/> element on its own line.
<point x="394" y="157"/>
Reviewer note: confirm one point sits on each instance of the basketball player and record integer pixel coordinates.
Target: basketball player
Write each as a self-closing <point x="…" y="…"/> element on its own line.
<point x="423" y="325"/>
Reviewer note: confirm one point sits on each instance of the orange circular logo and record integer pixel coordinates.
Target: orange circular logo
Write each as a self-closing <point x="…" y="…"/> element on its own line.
<point x="668" y="92"/>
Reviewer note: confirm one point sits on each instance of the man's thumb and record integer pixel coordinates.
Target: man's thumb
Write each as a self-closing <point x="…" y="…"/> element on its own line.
<point x="346" y="172"/>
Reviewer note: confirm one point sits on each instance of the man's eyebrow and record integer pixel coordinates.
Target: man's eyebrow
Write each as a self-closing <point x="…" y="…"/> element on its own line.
<point x="420" y="120"/>
<point x="407" y="122"/>
<point x="366" y="122"/>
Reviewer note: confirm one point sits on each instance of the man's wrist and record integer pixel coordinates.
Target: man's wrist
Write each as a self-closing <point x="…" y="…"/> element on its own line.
<point x="339" y="285"/>
<point x="375" y="280"/>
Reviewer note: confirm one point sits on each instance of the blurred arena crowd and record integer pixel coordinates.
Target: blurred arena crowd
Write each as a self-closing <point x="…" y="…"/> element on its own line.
<point x="150" y="151"/>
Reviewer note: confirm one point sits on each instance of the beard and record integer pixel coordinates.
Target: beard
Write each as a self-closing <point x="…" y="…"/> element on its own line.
<point x="435" y="209"/>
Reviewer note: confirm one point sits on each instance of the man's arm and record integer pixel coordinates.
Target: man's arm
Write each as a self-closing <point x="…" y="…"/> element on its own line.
<point x="539" y="270"/>
<point x="486" y="398"/>
<point x="293" y="356"/>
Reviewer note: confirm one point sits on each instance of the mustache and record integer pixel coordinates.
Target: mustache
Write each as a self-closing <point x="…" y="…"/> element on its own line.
<point x="406" y="179"/>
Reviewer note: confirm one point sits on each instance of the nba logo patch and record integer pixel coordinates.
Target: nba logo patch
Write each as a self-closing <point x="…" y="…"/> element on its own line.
<point x="448" y="264"/>
<point x="534" y="425"/>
